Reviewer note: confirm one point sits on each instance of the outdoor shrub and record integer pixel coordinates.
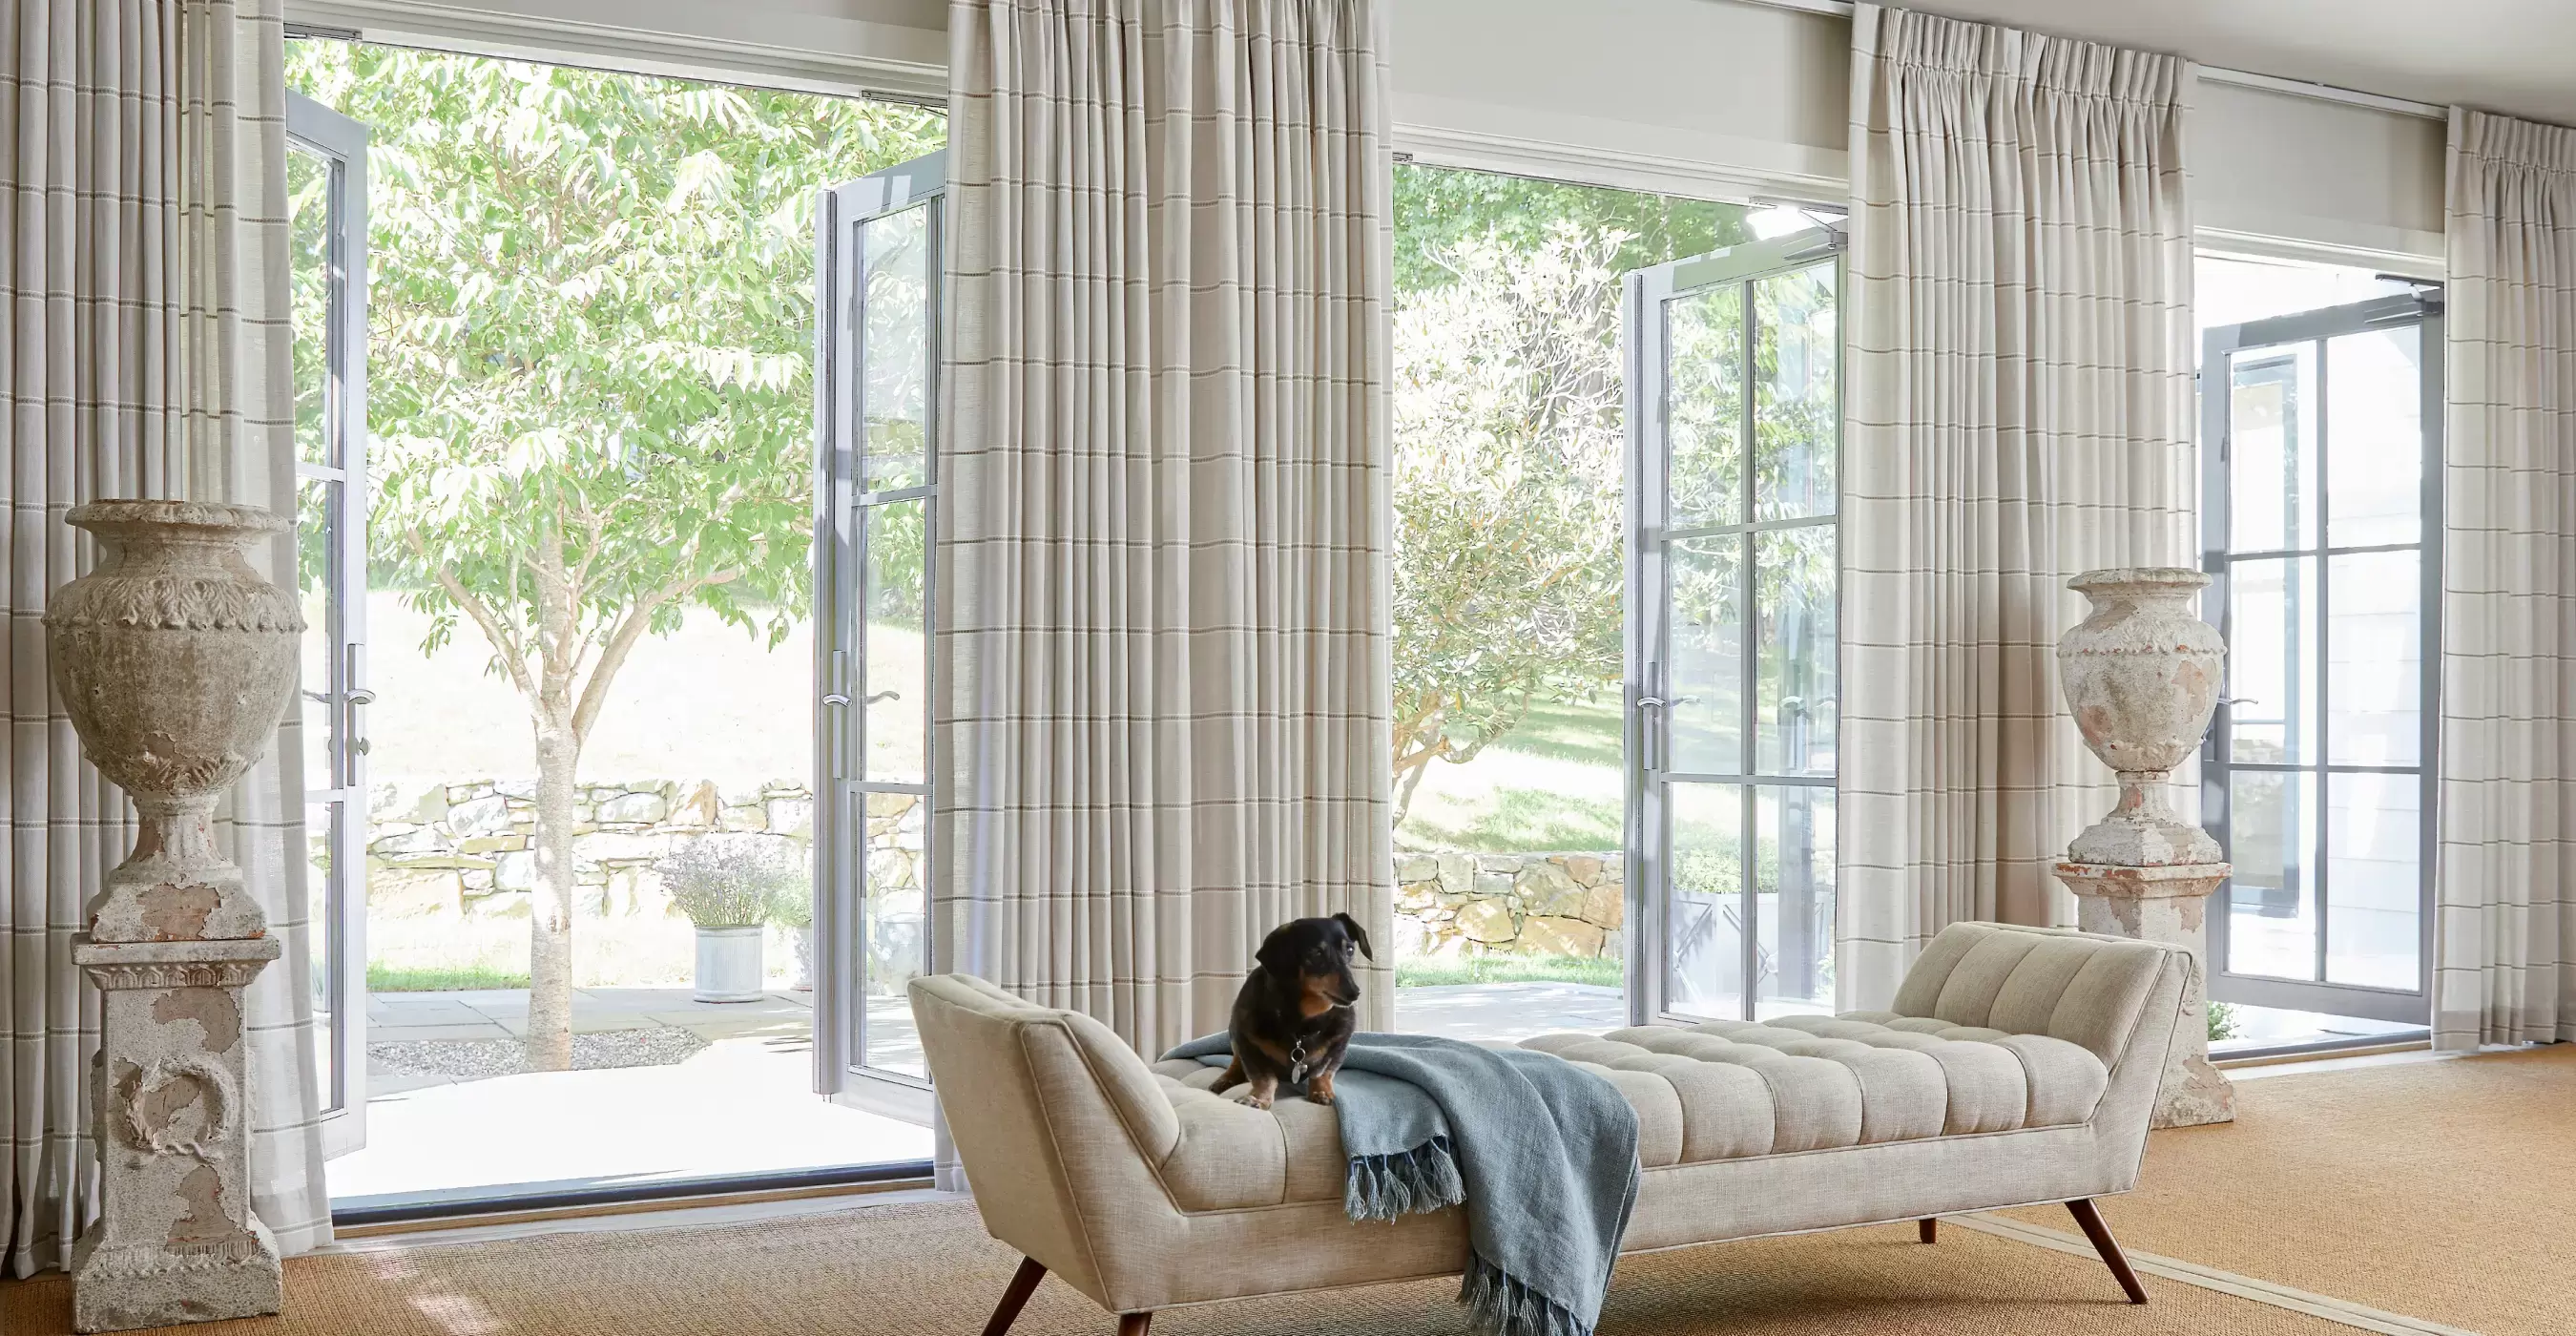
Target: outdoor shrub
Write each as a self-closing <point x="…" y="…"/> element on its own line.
<point x="791" y="905"/>
<point x="731" y="881"/>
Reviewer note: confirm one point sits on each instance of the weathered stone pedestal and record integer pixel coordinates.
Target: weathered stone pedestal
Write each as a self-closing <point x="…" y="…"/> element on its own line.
<point x="175" y="1240"/>
<point x="175" y="661"/>
<point x="2166" y="904"/>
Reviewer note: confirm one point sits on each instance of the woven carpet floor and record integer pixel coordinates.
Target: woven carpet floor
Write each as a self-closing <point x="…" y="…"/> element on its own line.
<point x="928" y="1270"/>
<point x="2440" y="1190"/>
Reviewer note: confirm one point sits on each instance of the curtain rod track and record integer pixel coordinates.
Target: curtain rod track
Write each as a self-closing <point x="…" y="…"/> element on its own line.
<point x="2269" y="83"/>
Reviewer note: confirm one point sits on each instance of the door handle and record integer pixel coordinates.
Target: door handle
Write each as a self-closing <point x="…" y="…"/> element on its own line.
<point x="1658" y="702"/>
<point x="361" y="696"/>
<point x="2238" y="700"/>
<point x="835" y="698"/>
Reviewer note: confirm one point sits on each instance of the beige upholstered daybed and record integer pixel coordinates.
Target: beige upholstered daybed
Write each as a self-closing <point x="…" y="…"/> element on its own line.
<point x="2019" y="1065"/>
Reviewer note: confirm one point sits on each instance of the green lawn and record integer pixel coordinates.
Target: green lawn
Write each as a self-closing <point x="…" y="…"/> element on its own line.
<point x="1553" y="783"/>
<point x="436" y="979"/>
<point x="1416" y="972"/>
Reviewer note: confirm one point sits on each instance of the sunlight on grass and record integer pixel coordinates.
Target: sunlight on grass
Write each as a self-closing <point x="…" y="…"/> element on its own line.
<point x="1421" y="972"/>
<point x="1585" y="731"/>
<point x="436" y="979"/>
<point x="1517" y="820"/>
<point x="1552" y="784"/>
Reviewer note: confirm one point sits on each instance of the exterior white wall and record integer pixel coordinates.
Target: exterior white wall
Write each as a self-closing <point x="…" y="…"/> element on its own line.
<point x="1719" y="98"/>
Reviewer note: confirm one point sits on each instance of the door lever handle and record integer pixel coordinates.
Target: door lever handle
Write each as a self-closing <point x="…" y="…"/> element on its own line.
<point x="836" y="698"/>
<point x="361" y="696"/>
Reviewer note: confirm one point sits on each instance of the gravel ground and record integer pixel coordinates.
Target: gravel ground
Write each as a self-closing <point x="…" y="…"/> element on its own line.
<point x="475" y="1059"/>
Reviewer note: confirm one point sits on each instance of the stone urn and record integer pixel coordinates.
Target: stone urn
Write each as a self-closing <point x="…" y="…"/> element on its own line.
<point x="176" y="662"/>
<point x="2141" y="675"/>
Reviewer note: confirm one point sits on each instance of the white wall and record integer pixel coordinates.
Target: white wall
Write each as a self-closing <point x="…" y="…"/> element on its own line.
<point x="1693" y="96"/>
<point x="1718" y="98"/>
<point x="2277" y="165"/>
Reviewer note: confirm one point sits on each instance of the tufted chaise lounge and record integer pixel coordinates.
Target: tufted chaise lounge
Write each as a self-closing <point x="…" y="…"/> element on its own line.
<point x="2017" y="1066"/>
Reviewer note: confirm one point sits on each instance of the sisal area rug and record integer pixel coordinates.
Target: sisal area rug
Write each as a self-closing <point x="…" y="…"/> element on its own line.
<point x="928" y="1270"/>
<point x="2440" y="1190"/>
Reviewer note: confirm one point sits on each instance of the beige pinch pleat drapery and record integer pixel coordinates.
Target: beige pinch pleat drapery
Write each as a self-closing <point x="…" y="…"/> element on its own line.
<point x="145" y="353"/>
<point x="2018" y="398"/>
<point x="2505" y="916"/>
<point x="1164" y="620"/>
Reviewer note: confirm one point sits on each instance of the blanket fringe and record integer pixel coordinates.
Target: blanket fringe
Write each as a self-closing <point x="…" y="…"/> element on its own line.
<point x="1410" y="1182"/>
<point x="1498" y="1305"/>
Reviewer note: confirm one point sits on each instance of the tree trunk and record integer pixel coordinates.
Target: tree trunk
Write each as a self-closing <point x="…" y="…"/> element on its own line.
<point x="550" y="903"/>
<point x="1404" y="790"/>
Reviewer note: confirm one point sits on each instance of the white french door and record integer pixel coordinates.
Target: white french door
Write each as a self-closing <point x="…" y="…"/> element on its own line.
<point x="876" y="485"/>
<point x="1733" y="477"/>
<point x="326" y="181"/>
<point x="2321" y="520"/>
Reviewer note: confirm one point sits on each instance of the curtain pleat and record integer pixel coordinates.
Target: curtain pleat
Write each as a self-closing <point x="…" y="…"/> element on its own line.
<point x="1164" y="620"/>
<point x="2018" y="395"/>
<point x="2505" y="949"/>
<point x="144" y="353"/>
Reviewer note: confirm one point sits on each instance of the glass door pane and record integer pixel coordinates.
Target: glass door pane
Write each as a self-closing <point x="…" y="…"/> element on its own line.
<point x="878" y="256"/>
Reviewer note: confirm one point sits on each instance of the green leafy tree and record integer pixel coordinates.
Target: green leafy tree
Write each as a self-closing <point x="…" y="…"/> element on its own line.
<point x="589" y="360"/>
<point x="1507" y="484"/>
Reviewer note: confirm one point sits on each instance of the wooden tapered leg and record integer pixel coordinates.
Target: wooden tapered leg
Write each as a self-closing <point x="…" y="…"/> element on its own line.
<point x="1134" y="1324"/>
<point x="1023" y="1284"/>
<point x="1928" y="1230"/>
<point x="2090" y="1217"/>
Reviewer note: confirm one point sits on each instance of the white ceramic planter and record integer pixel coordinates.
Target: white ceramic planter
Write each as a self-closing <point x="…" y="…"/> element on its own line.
<point x="729" y="964"/>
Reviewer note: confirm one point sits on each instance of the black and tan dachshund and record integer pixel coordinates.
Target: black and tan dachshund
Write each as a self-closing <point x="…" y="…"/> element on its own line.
<point x="1293" y="1020"/>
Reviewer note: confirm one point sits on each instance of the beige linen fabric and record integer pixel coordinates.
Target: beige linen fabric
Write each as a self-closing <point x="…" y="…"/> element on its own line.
<point x="2018" y="408"/>
<point x="2505" y="962"/>
<point x="1164" y="597"/>
<point x="1142" y="1190"/>
<point x="142" y="150"/>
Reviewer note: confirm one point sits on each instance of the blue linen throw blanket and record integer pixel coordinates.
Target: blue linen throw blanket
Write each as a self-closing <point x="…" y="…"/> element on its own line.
<point x="1543" y="1153"/>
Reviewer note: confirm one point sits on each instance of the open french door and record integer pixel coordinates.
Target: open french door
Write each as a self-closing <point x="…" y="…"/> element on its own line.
<point x="326" y="182"/>
<point x="2322" y="525"/>
<point x="876" y="484"/>
<point x="1733" y="477"/>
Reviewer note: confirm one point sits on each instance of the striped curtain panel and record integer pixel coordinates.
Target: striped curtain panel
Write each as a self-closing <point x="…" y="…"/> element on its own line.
<point x="2505" y="962"/>
<point x="2018" y="400"/>
<point x="1164" y="597"/>
<point x="144" y="353"/>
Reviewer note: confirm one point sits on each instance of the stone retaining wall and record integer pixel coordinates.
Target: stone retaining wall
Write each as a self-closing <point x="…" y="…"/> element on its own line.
<point x="463" y="846"/>
<point x="1537" y="904"/>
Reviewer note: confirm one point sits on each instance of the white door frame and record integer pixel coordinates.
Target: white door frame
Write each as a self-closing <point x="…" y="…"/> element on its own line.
<point x="339" y="900"/>
<point x="843" y="508"/>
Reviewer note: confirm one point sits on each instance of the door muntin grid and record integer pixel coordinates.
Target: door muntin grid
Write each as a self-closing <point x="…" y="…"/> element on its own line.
<point x="1734" y="416"/>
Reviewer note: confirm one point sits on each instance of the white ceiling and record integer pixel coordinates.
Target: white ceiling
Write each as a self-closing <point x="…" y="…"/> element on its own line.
<point x="2515" y="56"/>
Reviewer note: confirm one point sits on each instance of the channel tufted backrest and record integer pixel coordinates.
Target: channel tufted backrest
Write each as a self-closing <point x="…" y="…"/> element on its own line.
<point x="2080" y="987"/>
